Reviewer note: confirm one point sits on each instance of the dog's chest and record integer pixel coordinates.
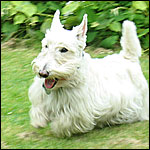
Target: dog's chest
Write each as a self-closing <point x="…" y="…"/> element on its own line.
<point x="65" y="101"/>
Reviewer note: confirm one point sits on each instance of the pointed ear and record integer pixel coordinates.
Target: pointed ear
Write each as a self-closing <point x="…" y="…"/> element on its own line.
<point x="81" y="29"/>
<point x="56" y="24"/>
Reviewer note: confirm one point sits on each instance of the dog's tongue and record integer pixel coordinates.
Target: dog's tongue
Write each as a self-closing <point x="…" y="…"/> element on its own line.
<point x="49" y="83"/>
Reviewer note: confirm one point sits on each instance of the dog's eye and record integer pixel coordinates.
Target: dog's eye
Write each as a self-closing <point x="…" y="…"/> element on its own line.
<point x="63" y="50"/>
<point x="46" y="46"/>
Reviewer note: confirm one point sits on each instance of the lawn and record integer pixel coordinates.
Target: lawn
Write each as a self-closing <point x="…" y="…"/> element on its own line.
<point x="16" y="131"/>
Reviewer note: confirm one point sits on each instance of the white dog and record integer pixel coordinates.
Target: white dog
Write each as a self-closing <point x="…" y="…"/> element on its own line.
<point x="76" y="93"/>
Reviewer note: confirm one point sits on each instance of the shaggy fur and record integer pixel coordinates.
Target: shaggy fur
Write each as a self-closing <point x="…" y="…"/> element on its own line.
<point x="76" y="93"/>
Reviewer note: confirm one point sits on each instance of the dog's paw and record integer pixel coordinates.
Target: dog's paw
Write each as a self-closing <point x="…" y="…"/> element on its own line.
<point x="38" y="118"/>
<point x="39" y="124"/>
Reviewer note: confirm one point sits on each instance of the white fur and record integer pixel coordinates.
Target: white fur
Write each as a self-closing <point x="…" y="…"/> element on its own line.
<point x="89" y="92"/>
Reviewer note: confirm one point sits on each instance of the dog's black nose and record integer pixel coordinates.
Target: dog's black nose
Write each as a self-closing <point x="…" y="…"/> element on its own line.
<point x="43" y="73"/>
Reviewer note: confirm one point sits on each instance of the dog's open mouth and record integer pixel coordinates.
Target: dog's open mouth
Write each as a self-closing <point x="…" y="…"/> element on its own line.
<point x="50" y="83"/>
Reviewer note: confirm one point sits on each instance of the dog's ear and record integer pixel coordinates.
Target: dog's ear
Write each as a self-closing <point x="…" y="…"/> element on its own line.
<point x="56" y="24"/>
<point x="81" y="29"/>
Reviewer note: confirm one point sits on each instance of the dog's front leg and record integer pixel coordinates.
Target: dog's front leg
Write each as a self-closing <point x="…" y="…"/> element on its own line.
<point x="66" y="125"/>
<point x="38" y="113"/>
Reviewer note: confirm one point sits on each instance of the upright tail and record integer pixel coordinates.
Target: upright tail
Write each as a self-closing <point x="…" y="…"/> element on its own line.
<point x="130" y="42"/>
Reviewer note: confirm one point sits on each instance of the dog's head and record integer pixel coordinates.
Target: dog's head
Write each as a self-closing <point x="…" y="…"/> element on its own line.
<point x="61" y="54"/>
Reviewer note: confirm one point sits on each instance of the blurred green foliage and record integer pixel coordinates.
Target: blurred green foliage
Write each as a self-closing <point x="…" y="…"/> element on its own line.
<point x="30" y="19"/>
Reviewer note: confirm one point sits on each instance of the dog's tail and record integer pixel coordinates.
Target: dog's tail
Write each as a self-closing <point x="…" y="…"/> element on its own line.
<point x="130" y="42"/>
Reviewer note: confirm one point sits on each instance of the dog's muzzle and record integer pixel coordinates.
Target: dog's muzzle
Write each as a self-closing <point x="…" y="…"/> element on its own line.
<point x="48" y="83"/>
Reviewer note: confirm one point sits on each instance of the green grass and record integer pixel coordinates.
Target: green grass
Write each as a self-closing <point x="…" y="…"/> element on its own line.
<point x="16" y="131"/>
